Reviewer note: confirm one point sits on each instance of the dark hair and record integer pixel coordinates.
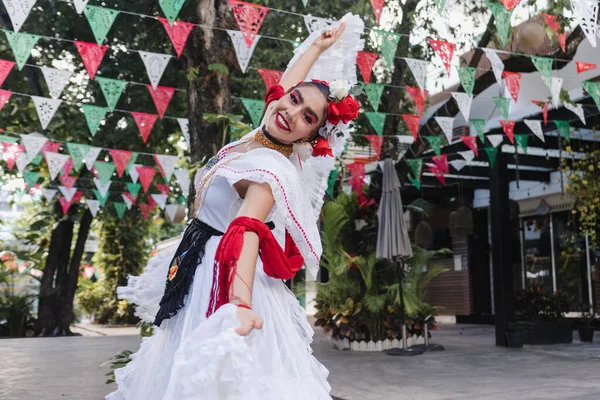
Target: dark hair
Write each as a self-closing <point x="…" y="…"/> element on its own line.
<point x="324" y="89"/>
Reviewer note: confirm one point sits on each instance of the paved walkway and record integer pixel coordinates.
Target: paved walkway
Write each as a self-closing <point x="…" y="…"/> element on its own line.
<point x="470" y="368"/>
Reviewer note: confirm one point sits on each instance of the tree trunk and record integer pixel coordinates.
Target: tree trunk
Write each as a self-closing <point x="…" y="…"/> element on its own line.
<point x="208" y="90"/>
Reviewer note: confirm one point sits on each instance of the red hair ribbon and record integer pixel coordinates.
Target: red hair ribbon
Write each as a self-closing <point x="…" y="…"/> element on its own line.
<point x="321" y="148"/>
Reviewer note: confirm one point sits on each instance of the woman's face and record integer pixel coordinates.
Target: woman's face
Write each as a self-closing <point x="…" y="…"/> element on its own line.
<point x="297" y="115"/>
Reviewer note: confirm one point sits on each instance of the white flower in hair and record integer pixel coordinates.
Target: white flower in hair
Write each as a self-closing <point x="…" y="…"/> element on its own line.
<point x="339" y="89"/>
<point x="304" y="150"/>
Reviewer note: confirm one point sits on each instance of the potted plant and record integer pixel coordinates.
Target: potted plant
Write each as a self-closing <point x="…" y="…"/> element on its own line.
<point x="540" y="315"/>
<point x="586" y="330"/>
<point x="514" y="336"/>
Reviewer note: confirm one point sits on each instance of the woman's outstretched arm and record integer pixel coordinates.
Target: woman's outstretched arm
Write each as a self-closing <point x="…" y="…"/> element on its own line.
<point x="299" y="70"/>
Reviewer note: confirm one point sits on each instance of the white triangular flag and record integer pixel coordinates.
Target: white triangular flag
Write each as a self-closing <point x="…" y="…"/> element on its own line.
<point x="18" y="10"/>
<point x="93" y="205"/>
<point x="166" y="164"/>
<point x="586" y="14"/>
<point x="184" y="125"/>
<point x="497" y="64"/>
<point x="133" y="172"/>
<point x="446" y="123"/>
<point x="56" y="80"/>
<point x="155" y="65"/>
<point x="22" y="162"/>
<point x="183" y="178"/>
<point x="161" y="200"/>
<point x="556" y="87"/>
<point x="419" y="70"/>
<point x="458" y="164"/>
<point x="67" y="193"/>
<point x="243" y="52"/>
<point x="468" y="155"/>
<point x="79" y="6"/>
<point x="56" y="162"/>
<point x="33" y="143"/>
<point x="464" y="101"/>
<point x="577" y="109"/>
<point x="316" y="23"/>
<point x="536" y="127"/>
<point x="171" y="211"/>
<point x="91" y="157"/>
<point x="127" y="202"/>
<point x="49" y="193"/>
<point x="46" y="108"/>
<point x="102" y="187"/>
<point x="495" y="140"/>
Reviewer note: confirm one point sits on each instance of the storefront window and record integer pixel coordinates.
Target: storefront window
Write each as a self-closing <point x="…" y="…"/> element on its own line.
<point x="537" y="250"/>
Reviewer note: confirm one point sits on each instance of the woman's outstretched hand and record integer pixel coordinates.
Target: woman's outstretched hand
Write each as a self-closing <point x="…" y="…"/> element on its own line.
<point x="249" y="319"/>
<point x="329" y="37"/>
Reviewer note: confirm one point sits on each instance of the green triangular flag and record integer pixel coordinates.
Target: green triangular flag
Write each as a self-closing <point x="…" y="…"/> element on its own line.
<point x="171" y="8"/>
<point x="502" y="103"/>
<point x="120" y="207"/>
<point x="593" y="88"/>
<point x="9" y="139"/>
<point x="112" y="90"/>
<point x="415" y="164"/>
<point x="521" y="139"/>
<point x="255" y="108"/>
<point x="502" y="18"/>
<point x="78" y="152"/>
<point x="94" y="115"/>
<point x="440" y="4"/>
<point x="415" y="182"/>
<point x="388" y="44"/>
<point x="100" y="198"/>
<point x="374" y="92"/>
<point x="333" y="175"/>
<point x="37" y="159"/>
<point x="104" y="170"/>
<point x="31" y="178"/>
<point x="134" y="188"/>
<point x="467" y="78"/>
<point x="479" y="125"/>
<point x="544" y="67"/>
<point x="100" y="19"/>
<point x="132" y="159"/>
<point x="564" y="129"/>
<point x="377" y="121"/>
<point x="436" y="144"/>
<point x="491" y="153"/>
<point x="21" y="45"/>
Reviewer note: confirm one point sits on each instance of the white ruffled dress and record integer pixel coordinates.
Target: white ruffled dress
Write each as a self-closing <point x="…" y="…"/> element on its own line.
<point x="192" y="357"/>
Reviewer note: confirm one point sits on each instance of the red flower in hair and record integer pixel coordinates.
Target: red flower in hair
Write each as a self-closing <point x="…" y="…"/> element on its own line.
<point x="348" y="109"/>
<point x="333" y="113"/>
<point x="321" y="148"/>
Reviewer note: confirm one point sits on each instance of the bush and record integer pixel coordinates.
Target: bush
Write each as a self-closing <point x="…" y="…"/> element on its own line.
<point x="89" y="296"/>
<point x="537" y="304"/>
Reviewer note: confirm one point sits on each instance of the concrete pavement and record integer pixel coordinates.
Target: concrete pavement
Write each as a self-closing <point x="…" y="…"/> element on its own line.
<point x="470" y="368"/>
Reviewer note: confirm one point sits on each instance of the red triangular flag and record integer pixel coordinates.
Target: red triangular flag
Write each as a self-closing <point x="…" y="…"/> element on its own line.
<point x="365" y="63"/>
<point x="471" y="142"/>
<point x="510" y="4"/>
<point x="121" y="159"/>
<point x="5" y="68"/>
<point x="583" y="66"/>
<point x="144" y="122"/>
<point x="65" y="205"/>
<point x="270" y="76"/>
<point x="130" y="197"/>
<point x="441" y="162"/>
<point x="151" y="202"/>
<point x="161" y="96"/>
<point x="164" y="189"/>
<point x="376" y="141"/>
<point x="146" y="174"/>
<point x="377" y="7"/>
<point x="544" y="106"/>
<point x="12" y="151"/>
<point x="249" y="18"/>
<point x="178" y="33"/>
<point x="66" y="170"/>
<point x="412" y="121"/>
<point x="509" y="130"/>
<point x="67" y="181"/>
<point x="419" y="97"/>
<point x="513" y="83"/>
<point x="552" y="22"/>
<point x="92" y="55"/>
<point x="52" y="147"/>
<point x="76" y="197"/>
<point x="4" y="97"/>
<point x="444" y="50"/>
<point x="439" y="174"/>
<point x="145" y="209"/>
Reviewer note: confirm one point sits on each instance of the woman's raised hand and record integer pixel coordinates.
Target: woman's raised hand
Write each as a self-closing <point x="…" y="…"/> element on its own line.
<point x="249" y="319"/>
<point x="329" y="37"/>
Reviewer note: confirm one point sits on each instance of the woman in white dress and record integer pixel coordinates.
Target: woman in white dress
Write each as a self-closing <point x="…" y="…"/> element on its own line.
<point x="227" y="327"/>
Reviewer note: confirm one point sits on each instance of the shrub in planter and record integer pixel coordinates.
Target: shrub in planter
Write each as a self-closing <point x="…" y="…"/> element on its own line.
<point x="586" y="330"/>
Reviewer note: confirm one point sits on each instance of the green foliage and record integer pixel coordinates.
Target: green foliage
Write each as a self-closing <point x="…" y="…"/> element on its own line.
<point x="219" y="68"/>
<point x="90" y="296"/>
<point x="535" y="303"/>
<point x="16" y="318"/>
